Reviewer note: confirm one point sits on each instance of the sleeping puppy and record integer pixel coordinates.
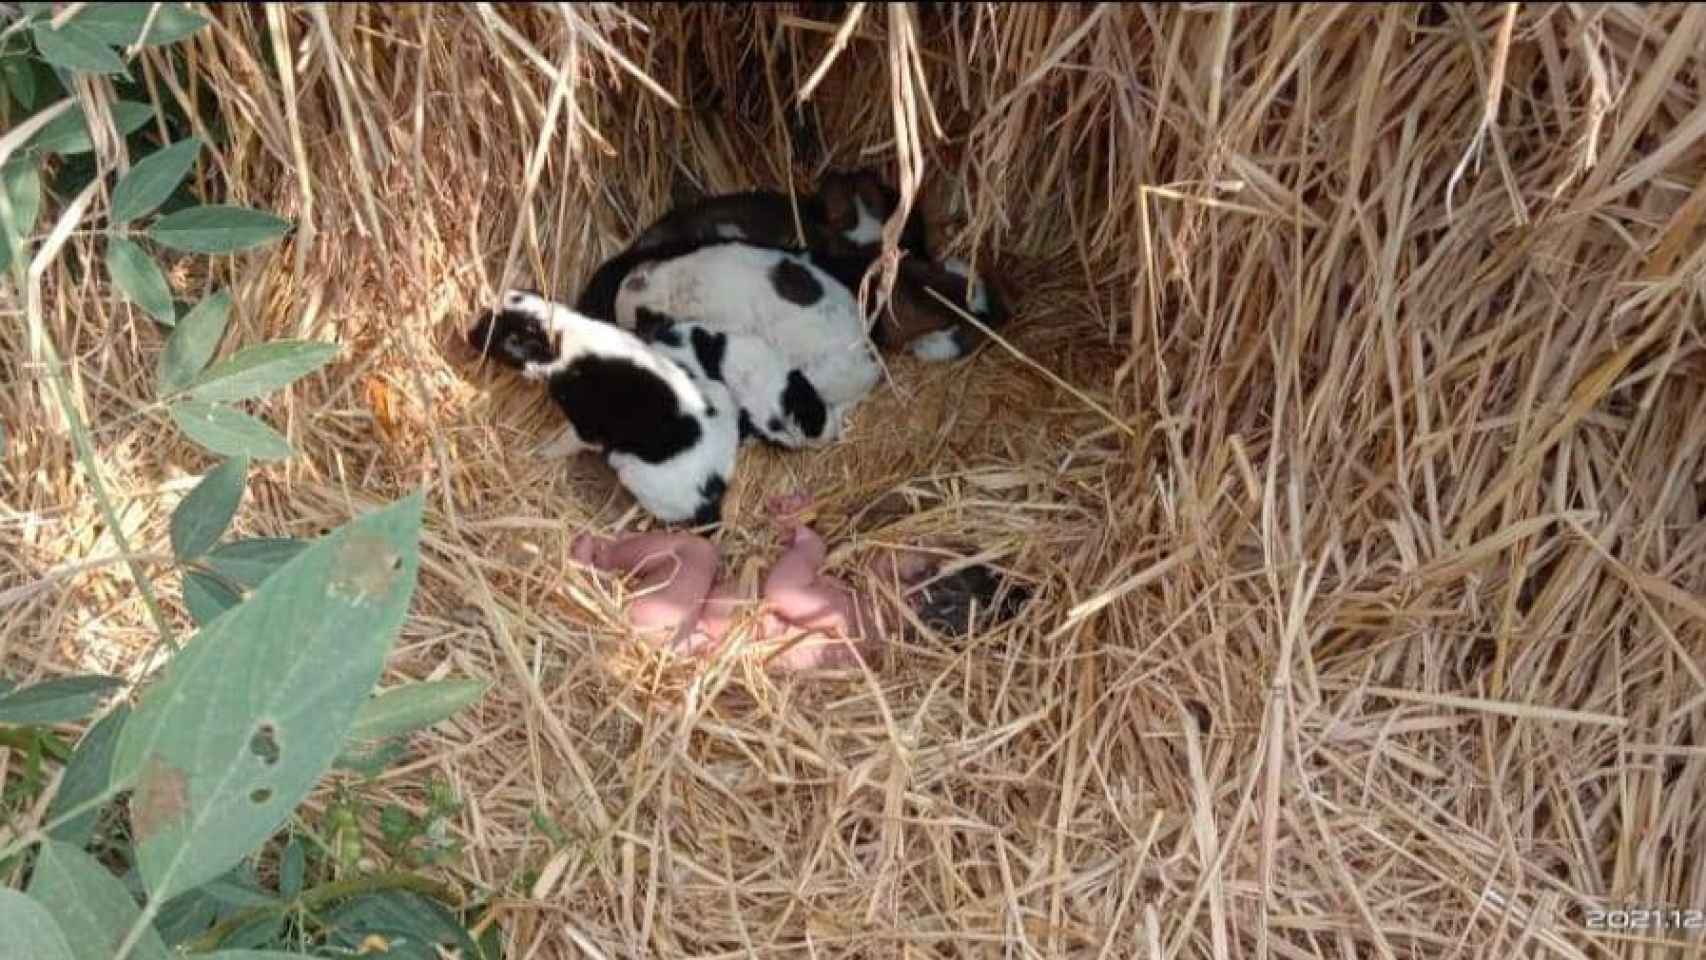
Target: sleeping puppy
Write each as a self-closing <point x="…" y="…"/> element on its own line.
<point x="779" y="298"/>
<point x="670" y="438"/>
<point x="778" y="403"/>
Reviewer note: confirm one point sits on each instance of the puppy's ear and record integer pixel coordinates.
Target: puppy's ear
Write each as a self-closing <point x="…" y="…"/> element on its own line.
<point x="802" y="402"/>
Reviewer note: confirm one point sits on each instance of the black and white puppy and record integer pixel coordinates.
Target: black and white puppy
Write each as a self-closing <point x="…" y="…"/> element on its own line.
<point x="778" y="403"/>
<point x="780" y="298"/>
<point x="840" y="230"/>
<point x="670" y="438"/>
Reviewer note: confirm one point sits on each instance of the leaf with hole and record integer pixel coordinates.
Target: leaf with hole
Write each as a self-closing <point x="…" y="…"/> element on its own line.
<point x="152" y="179"/>
<point x="22" y="183"/>
<point x="68" y="133"/>
<point x="207" y="597"/>
<point x="415" y="706"/>
<point x="270" y="689"/>
<point x="86" y="777"/>
<point x="192" y="343"/>
<point x="65" y="700"/>
<point x="73" y="48"/>
<point x="218" y="228"/>
<point x="261" y="369"/>
<point x="89" y="904"/>
<point x="228" y="432"/>
<point x="202" y="516"/>
<point x="31" y="933"/>
<point x="139" y="278"/>
<point x="250" y="562"/>
<point x="121" y="23"/>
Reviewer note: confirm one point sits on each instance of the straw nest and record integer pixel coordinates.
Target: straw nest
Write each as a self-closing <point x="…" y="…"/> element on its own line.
<point x="1349" y="430"/>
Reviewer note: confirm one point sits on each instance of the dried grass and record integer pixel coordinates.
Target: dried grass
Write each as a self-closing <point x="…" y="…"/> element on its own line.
<point x="1372" y="626"/>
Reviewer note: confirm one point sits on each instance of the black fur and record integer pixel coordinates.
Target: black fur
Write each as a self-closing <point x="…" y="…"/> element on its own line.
<point x="612" y="402"/>
<point x="511" y="339"/>
<point x="801" y="401"/>
<point x="652" y="325"/>
<point x="946" y="604"/>
<point x="711" y="509"/>
<point x="795" y="284"/>
<point x="708" y="349"/>
<point x="623" y="407"/>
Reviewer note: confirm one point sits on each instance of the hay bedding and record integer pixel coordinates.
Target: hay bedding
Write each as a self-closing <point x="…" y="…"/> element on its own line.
<point x="1367" y="530"/>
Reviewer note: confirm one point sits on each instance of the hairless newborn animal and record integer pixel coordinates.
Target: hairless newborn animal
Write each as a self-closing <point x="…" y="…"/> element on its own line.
<point x="827" y="623"/>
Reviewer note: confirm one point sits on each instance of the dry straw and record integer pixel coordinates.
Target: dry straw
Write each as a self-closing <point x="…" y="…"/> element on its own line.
<point x="1371" y="626"/>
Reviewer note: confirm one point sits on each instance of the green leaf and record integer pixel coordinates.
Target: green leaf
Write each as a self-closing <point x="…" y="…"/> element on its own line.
<point x="228" y="432"/>
<point x="202" y="517"/>
<point x="55" y="701"/>
<point x="268" y="713"/>
<point x="139" y="278"/>
<point x="20" y="79"/>
<point x="192" y="343"/>
<point x="250" y="562"/>
<point x="261" y="369"/>
<point x="22" y="183"/>
<point x="152" y="179"/>
<point x="291" y="868"/>
<point x="75" y="48"/>
<point x="120" y="23"/>
<point x="409" y="708"/>
<point x="218" y="228"/>
<point x="31" y="933"/>
<point x="86" y="776"/>
<point x="207" y="597"/>
<point x="90" y="905"/>
<point x="68" y="133"/>
<point x="412" y="922"/>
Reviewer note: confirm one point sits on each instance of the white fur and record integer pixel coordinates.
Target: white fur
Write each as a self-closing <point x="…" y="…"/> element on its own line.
<point x="868" y="230"/>
<point x="938" y="346"/>
<point x="727" y="287"/>
<point x="978" y="301"/>
<point x="669" y="490"/>
<point x="756" y="376"/>
<point x="730" y="231"/>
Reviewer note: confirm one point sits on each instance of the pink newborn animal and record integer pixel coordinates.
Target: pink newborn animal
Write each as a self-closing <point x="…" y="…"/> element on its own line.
<point x="693" y="608"/>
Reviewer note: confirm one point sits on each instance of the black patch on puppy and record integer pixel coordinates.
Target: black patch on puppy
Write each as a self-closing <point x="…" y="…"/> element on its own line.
<point x="776" y="424"/>
<point x="708" y="349"/>
<point x="512" y="337"/>
<point x="795" y="284"/>
<point x="747" y="429"/>
<point x="945" y="605"/>
<point x="711" y="506"/>
<point x="621" y="406"/>
<point x="801" y="401"/>
<point x="651" y="325"/>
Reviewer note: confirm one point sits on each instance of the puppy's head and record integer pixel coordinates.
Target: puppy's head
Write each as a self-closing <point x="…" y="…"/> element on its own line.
<point x="515" y="333"/>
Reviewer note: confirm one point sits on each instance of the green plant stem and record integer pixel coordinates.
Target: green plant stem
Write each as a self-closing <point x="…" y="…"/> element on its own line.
<point x="310" y="900"/>
<point x="86" y="454"/>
